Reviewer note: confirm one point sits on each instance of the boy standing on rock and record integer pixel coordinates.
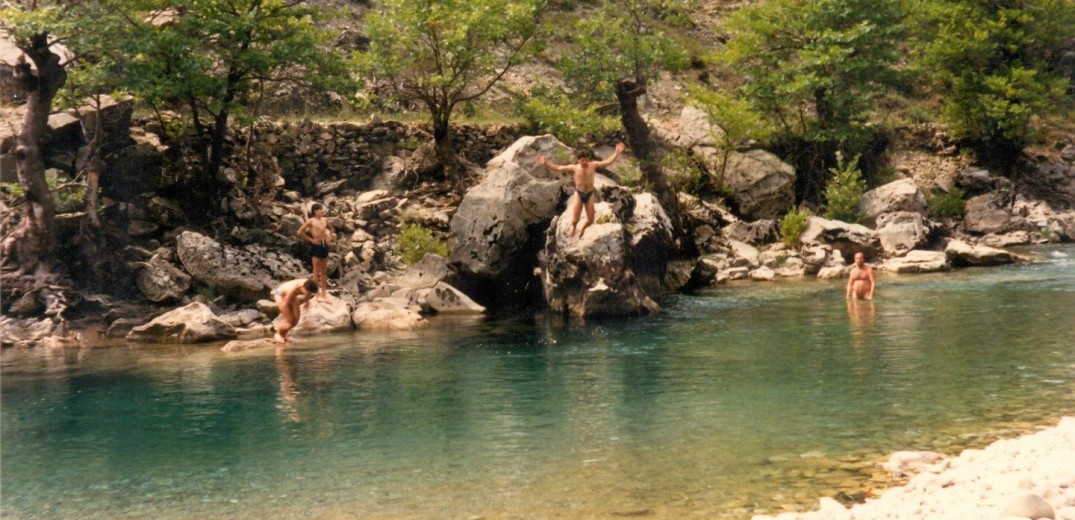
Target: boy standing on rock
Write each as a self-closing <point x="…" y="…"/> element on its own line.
<point x="319" y="233"/>
<point x="287" y="297"/>
<point x="583" y="171"/>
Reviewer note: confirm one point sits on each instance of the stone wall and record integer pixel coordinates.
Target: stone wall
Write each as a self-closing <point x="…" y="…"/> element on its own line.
<point x="312" y="154"/>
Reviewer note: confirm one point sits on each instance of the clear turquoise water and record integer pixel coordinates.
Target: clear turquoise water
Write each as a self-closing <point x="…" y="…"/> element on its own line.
<point x="743" y="398"/>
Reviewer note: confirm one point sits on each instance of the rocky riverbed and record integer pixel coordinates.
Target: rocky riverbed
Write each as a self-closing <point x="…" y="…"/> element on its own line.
<point x="1032" y="476"/>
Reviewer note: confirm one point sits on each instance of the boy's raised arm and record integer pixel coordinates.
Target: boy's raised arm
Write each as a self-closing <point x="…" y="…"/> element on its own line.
<point x="554" y="167"/>
<point x="611" y="158"/>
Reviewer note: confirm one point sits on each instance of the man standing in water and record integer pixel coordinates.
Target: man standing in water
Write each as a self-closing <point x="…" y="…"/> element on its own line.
<point x="861" y="283"/>
<point x="287" y="297"/>
<point x="583" y="171"/>
<point x="319" y="233"/>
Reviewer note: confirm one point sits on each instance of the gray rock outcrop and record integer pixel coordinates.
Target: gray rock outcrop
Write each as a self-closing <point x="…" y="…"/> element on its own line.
<point x="592" y="275"/>
<point x="962" y="254"/>
<point x="902" y="195"/>
<point x="387" y="314"/>
<point x="247" y="274"/>
<point x="323" y="317"/>
<point x="762" y="185"/>
<point x="901" y="232"/>
<point x="988" y="213"/>
<point x="193" y="323"/>
<point x="846" y="238"/>
<point x="917" y="261"/>
<point x="498" y="229"/>
<point x="161" y="281"/>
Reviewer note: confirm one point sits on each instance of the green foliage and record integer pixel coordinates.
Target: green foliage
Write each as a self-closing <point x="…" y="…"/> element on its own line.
<point x="622" y="40"/>
<point x="217" y="58"/>
<point x="995" y="62"/>
<point x="416" y="240"/>
<point x="949" y="204"/>
<point x="557" y="114"/>
<point x="686" y="175"/>
<point x="793" y="225"/>
<point x="815" y="66"/>
<point x="444" y="53"/>
<point x="736" y="119"/>
<point x="844" y="191"/>
<point x="69" y="196"/>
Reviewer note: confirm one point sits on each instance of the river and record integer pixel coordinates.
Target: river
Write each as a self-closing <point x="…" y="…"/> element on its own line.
<point x="741" y="399"/>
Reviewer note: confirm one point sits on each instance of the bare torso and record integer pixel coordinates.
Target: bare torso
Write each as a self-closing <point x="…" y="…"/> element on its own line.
<point x="584" y="176"/>
<point x="318" y="230"/>
<point x="860" y="279"/>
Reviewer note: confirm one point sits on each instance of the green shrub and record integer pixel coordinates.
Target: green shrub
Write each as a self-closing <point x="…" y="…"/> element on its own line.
<point x="844" y="190"/>
<point x="950" y="204"/>
<point x="557" y="114"/>
<point x="416" y="240"/>
<point x="685" y="174"/>
<point x="793" y="225"/>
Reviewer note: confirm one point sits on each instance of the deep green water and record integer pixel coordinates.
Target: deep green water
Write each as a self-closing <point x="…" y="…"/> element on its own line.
<point x="744" y="398"/>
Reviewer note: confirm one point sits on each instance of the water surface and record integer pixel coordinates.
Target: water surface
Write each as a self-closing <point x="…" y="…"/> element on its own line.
<point x="741" y="399"/>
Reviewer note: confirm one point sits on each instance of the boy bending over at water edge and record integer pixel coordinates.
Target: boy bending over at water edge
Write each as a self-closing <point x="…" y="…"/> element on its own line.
<point x="583" y="171"/>
<point x="861" y="283"/>
<point x="287" y="297"/>
<point x="319" y="233"/>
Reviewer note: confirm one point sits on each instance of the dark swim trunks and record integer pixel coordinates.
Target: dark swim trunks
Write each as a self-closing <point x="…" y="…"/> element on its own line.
<point x="319" y="250"/>
<point x="584" y="196"/>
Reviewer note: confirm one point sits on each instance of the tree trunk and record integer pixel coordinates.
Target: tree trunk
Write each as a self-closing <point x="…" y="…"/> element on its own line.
<point x="453" y="167"/>
<point x="31" y="243"/>
<point x="627" y="94"/>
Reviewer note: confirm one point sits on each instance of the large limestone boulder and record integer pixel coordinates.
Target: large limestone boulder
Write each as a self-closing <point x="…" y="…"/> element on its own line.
<point x="846" y="238"/>
<point x="323" y="317"/>
<point x="426" y="273"/>
<point x="194" y="323"/>
<point x="761" y="231"/>
<point x="248" y="273"/>
<point x="988" y="213"/>
<point x="161" y="281"/>
<point x="917" y="261"/>
<point x="650" y="240"/>
<point x="901" y="232"/>
<point x="961" y="254"/>
<point x="387" y="314"/>
<point x="762" y="185"/>
<point x="902" y="195"/>
<point x="695" y="128"/>
<point x="445" y="299"/>
<point x="498" y="229"/>
<point x="591" y="276"/>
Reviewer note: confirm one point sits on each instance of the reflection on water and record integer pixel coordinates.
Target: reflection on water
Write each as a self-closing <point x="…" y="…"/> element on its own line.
<point x="746" y="398"/>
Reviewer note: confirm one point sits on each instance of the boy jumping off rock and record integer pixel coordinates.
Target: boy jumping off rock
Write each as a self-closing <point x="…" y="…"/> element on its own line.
<point x="583" y="171"/>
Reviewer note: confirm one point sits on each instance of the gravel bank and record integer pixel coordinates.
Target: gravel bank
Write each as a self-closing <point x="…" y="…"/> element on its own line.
<point x="1028" y="477"/>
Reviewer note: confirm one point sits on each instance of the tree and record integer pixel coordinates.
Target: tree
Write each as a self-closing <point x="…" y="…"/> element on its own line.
<point x="815" y="67"/>
<point x="995" y="64"/>
<point x="210" y="56"/>
<point x="41" y="73"/>
<point x="735" y="118"/>
<point x="618" y="51"/>
<point x="442" y="53"/>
